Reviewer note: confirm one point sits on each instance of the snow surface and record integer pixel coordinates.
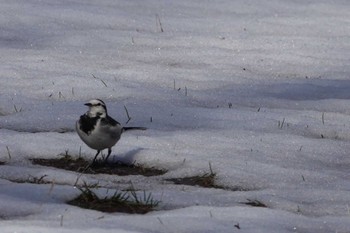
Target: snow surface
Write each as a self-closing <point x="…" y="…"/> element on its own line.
<point x="259" y="89"/>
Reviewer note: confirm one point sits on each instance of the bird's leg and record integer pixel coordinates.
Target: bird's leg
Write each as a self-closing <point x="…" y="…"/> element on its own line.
<point x="88" y="166"/>
<point x="93" y="161"/>
<point x="109" y="153"/>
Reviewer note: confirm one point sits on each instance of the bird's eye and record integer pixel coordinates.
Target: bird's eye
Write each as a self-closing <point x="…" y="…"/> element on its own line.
<point x="99" y="104"/>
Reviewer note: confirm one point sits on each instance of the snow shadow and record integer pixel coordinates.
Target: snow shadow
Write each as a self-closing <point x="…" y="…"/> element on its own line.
<point x="274" y="94"/>
<point x="310" y="90"/>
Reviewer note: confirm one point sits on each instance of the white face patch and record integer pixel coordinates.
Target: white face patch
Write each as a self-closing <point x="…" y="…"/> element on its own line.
<point x="96" y="108"/>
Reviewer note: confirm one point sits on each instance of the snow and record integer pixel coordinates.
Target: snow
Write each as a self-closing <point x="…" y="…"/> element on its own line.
<point x="257" y="89"/>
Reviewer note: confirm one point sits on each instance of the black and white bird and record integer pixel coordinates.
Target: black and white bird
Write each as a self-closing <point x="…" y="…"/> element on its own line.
<point x="98" y="130"/>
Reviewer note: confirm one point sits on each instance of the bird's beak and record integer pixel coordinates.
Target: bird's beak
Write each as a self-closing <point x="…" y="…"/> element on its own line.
<point x="88" y="104"/>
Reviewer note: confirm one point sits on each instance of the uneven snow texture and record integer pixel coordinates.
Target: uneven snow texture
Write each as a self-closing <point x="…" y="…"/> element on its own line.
<point x="258" y="89"/>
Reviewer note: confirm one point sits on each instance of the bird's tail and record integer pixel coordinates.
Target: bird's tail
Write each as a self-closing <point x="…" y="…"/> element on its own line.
<point x="133" y="128"/>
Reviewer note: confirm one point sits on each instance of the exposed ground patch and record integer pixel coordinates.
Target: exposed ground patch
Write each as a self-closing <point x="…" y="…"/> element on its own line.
<point x="207" y="180"/>
<point x="125" y="202"/>
<point x="67" y="162"/>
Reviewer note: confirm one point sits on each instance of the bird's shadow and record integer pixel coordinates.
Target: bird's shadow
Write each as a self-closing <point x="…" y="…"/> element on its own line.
<point x="128" y="157"/>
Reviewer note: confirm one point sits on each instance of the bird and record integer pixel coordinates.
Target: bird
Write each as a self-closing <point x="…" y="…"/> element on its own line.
<point x="98" y="130"/>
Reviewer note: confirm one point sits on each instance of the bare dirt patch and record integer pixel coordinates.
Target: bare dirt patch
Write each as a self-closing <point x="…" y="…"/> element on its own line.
<point x="124" y="202"/>
<point x="67" y="162"/>
<point x="205" y="181"/>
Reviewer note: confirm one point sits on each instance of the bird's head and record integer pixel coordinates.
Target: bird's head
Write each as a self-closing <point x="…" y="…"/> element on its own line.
<point x="96" y="108"/>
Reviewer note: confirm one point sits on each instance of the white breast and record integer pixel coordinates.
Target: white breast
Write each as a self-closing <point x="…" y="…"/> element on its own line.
<point x="101" y="137"/>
